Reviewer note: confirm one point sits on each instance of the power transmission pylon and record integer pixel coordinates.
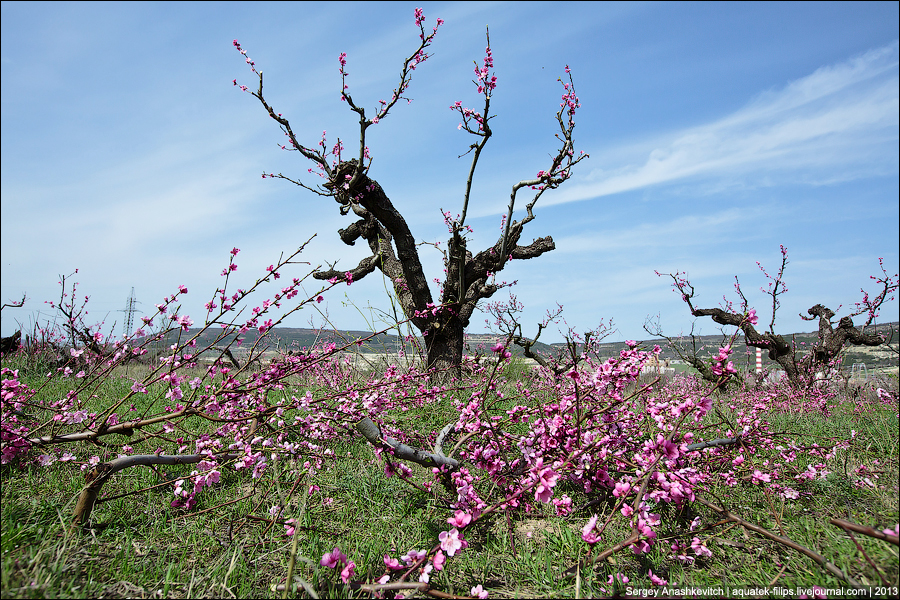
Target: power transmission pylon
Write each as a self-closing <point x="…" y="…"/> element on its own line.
<point x="129" y="311"/>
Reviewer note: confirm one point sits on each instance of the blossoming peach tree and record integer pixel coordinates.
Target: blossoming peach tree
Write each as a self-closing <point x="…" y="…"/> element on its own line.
<point x="801" y="370"/>
<point x="579" y="437"/>
<point x="469" y="278"/>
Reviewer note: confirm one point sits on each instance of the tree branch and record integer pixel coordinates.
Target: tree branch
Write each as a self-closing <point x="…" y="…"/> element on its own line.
<point x="784" y="541"/>
<point x="371" y="432"/>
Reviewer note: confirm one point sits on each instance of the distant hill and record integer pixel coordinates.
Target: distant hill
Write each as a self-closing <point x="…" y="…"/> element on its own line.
<point x="293" y="338"/>
<point x="880" y="356"/>
<point x="300" y="339"/>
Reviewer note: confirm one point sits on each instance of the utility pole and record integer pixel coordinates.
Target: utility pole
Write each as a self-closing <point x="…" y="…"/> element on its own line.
<point x="129" y="310"/>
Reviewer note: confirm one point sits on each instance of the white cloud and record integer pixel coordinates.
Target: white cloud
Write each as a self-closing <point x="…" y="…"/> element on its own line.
<point x="828" y="126"/>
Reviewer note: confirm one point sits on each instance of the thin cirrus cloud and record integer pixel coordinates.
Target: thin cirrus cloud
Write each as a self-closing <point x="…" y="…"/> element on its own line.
<point x="837" y="123"/>
<point x="670" y="233"/>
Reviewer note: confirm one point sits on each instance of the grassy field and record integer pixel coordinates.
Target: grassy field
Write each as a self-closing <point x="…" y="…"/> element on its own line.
<point x="229" y="546"/>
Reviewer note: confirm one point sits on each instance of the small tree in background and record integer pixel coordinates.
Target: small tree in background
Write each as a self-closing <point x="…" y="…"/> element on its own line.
<point x="470" y="277"/>
<point x="801" y="371"/>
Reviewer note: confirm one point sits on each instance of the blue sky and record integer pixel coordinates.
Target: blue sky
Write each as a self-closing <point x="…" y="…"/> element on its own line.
<point x="716" y="132"/>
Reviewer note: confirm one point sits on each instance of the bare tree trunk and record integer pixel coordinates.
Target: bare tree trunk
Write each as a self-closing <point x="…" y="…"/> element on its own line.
<point x="445" y="350"/>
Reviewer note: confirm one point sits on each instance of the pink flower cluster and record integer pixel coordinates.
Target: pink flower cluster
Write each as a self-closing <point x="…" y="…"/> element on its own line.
<point x="335" y="559"/>
<point x="487" y="82"/>
<point x="719" y="367"/>
<point x="247" y="60"/>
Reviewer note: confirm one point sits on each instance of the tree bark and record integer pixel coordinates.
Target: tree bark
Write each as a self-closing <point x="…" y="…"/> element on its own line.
<point x="802" y="371"/>
<point x="444" y="344"/>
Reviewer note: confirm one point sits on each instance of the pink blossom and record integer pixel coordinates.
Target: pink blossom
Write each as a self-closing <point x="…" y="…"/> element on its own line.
<point x="331" y="559"/>
<point x="656" y="580"/>
<point x="460" y="519"/>
<point x="563" y="505"/>
<point x="587" y="532"/>
<point x="413" y="556"/>
<point x="669" y="449"/>
<point x="751" y="317"/>
<point x="450" y="541"/>
<point x="699" y="548"/>
<point x="790" y="493"/>
<point x="478" y="592"/>
<point x="290" y="527"/>
<point x="546" y="478"/>
<point x="439" y="560"/>
<point x="621" y="489"/>
<point x="760" y="477"/>
<point x="185" y="322"/>
<point x="347" y="571"/>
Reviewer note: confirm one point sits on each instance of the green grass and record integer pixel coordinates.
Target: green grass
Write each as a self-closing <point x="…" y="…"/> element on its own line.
<point x="139" y="546"/>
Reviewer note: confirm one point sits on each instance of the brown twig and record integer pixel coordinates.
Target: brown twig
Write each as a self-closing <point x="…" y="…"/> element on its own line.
<point x="849" y="528"/>
<point x="634" y="537"/>
<point x="372" y="432"/>
<point x="828" y="566"/>
<point x="372" y="588"/>
<point x="872" y="564"/>
<point x="212" y="508"/>
<point x="893" y="539"/>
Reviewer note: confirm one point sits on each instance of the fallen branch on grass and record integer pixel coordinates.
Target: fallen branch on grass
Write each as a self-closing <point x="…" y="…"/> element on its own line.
<point x="100" y="474"/>
<point x="441" y="436"/>
<point x="834" y="570"/>
<point x="713" y="443"/>
<point x="371" y="432"/>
